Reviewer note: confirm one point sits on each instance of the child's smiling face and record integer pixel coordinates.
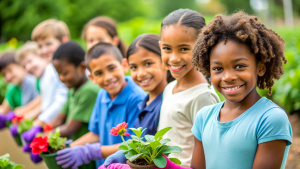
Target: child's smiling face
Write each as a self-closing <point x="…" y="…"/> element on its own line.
<point x="47" y="47"/>
<point x="234" y="71"/>
<point x="34" y="64"/>
<point x="176" y="46"/>
<point x="146" y="69"/>
<point x="108" y="73"/>
<point x="68" y="73"/>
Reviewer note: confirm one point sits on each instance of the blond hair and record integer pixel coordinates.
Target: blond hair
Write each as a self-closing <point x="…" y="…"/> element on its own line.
<point x="28" y="47"/>
<point x="50" y="27"/>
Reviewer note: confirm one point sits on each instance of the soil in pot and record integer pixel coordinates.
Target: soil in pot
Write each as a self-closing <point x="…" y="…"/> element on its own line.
<point x="140" y="164"/>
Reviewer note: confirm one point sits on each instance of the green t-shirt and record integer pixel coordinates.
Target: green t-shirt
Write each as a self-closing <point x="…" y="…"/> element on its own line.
<point x="80" y="104"/>
<point x="13" y="96"/>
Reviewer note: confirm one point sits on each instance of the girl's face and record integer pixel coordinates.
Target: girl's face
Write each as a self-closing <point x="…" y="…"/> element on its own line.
<point x="146" y="69"/>
<point x="95" y="34"/>
<point x="234" y="71"/>
<point x="68" y="73"/>
<point x="34" y="64"/>
<point x="13" y="73"/>
<point x="176" y="46"/>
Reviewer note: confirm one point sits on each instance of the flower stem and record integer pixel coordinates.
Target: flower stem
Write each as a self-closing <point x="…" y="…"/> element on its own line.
<point x="124" y="141"/>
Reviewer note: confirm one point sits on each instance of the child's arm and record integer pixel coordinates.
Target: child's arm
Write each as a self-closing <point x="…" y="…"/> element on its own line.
<point x="70" y="128"/>
<point x="89" y="137"/>
<point x="198" y="159"/>
<point x="33" y="114"/>
<point x="4" y="108"/>
<point x="28" y="107"/>
<point x="58" y="120"/>
<point x="269" y="155"/>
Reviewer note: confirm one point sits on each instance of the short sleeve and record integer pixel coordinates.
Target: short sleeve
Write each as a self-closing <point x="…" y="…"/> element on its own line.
<point x="95" y="117"/>
<point x="274" y="125"/>
<point x="84" y="107"/>
<point x="204" y="99"/>
<point x="65" y="108"/>
<point x="13" y="96"/>
<point x="198" y="124"/>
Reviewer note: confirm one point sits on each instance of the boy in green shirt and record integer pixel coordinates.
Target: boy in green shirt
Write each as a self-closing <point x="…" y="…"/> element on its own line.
<point x="21" y="86"/>
<point x="73" y="120"/>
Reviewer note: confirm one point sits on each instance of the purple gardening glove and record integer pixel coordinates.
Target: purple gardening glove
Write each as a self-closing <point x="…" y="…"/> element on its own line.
<point x="171" y="165"/>
<point x="2" y="121"/>
<point x="78" y="155"/>
<point x="115" y="166"/>
<point x="9" y="116"/>
<point x="117" y="157"/>
<point x="35" y="158"/>
<point x="26" y="148"/>
<point x="30" y="134"/>
<point x="14" y="130"/>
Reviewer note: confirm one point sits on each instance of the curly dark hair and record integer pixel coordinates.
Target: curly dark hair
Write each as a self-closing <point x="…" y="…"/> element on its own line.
<point x="264" y="43"/>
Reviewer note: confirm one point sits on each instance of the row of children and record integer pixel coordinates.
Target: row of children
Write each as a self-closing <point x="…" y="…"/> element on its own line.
<point x="234" y="53"/>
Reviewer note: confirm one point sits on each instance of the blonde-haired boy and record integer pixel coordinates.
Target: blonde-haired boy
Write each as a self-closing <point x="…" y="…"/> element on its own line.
<point x="49" y="34"/>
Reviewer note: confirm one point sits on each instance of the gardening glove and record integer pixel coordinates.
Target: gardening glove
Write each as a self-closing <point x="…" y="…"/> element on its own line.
<point x="13" y="130"/>
<point x="26" y="148"/>
<point x="171" y="165"/>
<point x="115" y="166"/>
<point x="2" y="121"/>
<point x="35" y="158"/>
<point x="30" y="134"/>
<point x="9" y="116"/>
<point x="6" y="118"/>
<point x="78" y="155"/>
<point x="117" y="157"/>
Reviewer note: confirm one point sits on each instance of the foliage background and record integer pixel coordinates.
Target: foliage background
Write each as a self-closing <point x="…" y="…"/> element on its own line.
<point x="135" y="17"/>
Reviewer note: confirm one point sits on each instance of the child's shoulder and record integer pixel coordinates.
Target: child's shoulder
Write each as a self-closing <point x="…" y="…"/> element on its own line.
<point x="208" y="111"/>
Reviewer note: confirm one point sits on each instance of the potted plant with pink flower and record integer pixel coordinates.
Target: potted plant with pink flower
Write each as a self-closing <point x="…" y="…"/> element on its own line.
<point x="145" y="152"/>
<point x="47" y="146"/>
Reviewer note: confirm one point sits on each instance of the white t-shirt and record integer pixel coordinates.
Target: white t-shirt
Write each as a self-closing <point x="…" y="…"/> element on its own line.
<point x="179" y="111"/>
<point x="53" y="93"/>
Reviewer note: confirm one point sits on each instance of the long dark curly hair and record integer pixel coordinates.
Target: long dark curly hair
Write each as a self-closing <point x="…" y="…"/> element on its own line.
<point x="264" y="43"/>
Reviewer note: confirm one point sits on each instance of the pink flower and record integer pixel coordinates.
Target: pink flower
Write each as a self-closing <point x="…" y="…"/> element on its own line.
<point x="17" y="120"/>
<point x="120" y="129"/>
<point x="39" y="144"/>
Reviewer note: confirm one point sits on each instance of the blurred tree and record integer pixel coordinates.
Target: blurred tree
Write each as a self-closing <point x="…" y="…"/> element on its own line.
<point x="235" y="5"/>
<point x="164" y="7"/>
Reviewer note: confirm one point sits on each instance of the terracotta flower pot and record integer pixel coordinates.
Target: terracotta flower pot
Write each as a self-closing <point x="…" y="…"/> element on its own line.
<point x="18" y="140"/>
<point x="50" y="161"/>
<point x="134" y="166"/>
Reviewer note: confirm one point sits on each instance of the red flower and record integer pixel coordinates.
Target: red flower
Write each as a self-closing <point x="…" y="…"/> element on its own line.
<point x="47" y="127"/>
<point x="120" y="129"/>
<point x="17" y="120"/>
<point x="39" y="144"/>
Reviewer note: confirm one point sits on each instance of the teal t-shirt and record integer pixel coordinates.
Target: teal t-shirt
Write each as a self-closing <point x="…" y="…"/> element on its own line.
<point x="233" y="145"/>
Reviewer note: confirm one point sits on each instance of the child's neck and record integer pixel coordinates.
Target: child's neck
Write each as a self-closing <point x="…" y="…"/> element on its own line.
<point x="231" y="110"/>
<point x="192" y="78"/>
<point x="154" y="93"/>
<point x="81" y="82"/>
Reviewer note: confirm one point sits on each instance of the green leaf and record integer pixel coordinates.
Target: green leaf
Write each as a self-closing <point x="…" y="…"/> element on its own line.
<point x="123" y="147"/>
<point x="149" y="138"/>
<point x="137" y="131"/>
<point x="160" y="161"/>
<point x="171" y="149"/>
<point x="132" y="158"/>
<point x="134" y="137"/>
<point x="154" y="145"/>
<point x="162" y="132"/>
<point x="175" y="160"/>
<point x="130" y="154"/>
<point x="164" y="141"/>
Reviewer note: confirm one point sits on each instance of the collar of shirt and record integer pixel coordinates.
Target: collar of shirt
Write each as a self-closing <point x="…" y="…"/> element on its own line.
<point x="143" y="107"/>
<point x="122" y="97"/>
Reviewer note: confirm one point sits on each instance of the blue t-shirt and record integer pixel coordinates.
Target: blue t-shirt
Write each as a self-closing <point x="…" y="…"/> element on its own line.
<point x="109" y="113"/>
<point x="232" y="145"/>
<point x="149" y="115"/>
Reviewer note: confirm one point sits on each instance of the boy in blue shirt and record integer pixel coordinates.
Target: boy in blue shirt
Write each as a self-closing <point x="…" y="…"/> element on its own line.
<point x="116" y="102"/>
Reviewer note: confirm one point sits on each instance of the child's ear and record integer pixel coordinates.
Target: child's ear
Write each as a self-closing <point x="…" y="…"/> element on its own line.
<point x="82" y="66"/>
<point x="65" y="39"/>
<point x="261" y="69"/>
<point x="125" y="65"/>
<point x="115" y="41"/>
<point x="159" y="43"/>
<point x="92" y="78"/>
